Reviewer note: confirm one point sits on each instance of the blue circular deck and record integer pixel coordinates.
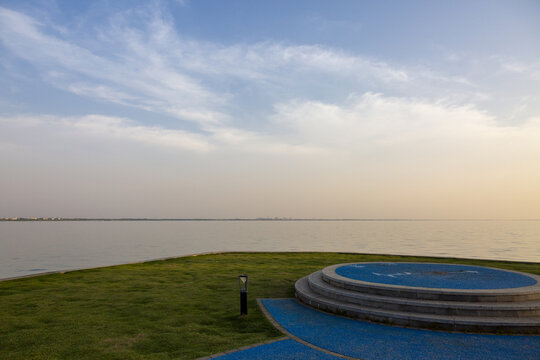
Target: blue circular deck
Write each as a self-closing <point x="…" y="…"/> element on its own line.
<point x="440" y="276"/>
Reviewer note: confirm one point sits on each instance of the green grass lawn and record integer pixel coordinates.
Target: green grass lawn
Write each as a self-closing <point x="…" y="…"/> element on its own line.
<point x="181" y="308"/>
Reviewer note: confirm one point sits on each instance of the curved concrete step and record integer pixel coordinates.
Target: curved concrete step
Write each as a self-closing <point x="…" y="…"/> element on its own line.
<point x="530" y="293"/>
<point x="529" y="325"/>
<point x="482" y="309"/>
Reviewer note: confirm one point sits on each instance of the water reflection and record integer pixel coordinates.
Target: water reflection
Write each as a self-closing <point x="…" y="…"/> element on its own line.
<point x="30" y="247"/>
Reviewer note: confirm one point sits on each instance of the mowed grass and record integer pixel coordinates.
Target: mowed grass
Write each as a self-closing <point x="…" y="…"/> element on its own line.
<point x="181" y="308"/>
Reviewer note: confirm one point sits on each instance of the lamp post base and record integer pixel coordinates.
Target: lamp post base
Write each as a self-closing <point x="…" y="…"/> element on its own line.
<point x="243" y="303"/>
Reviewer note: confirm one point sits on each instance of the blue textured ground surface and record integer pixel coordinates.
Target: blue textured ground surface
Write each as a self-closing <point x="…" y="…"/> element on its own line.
<point x="440" y="276"/>
<point x="370" y="341"/>
<point x="280" y="350"/>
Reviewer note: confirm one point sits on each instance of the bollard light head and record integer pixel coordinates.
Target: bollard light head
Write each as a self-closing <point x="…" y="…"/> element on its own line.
<point x="242" y="282"/>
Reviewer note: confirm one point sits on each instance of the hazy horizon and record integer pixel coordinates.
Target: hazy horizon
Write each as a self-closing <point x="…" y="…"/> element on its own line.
<point x="309" y="109"/>
<point x="275" y="218"/>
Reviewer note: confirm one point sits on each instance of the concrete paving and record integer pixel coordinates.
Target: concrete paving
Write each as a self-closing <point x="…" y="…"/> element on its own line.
<point x="317" y="335"/>
<point x="365" y="340"/>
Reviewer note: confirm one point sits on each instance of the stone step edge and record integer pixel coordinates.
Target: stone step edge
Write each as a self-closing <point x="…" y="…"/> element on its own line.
<point x="530" y="293"/>
<point x="318" y="285"/>
<point x="423" y="321"/>
<point x="305" y="288"/>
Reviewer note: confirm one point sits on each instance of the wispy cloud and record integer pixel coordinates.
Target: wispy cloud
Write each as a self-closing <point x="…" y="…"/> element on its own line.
<point x="118" y="128"/>
<point x="371" y="123"/>
<point x="138" y="77"/>
<point x="531" y="70"/>
<point x="125" y="130"/>
<point x="113" y="128"/>
<point x="139" y="60"/>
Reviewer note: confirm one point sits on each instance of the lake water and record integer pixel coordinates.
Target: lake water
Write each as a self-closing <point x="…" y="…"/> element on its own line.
<point x="34" y="247"/>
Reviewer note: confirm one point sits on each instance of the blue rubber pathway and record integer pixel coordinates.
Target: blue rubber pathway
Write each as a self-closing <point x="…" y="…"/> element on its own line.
<point x="280" y="350"/>
<point x="369" y="341"/>
<point x="448" y="276"/>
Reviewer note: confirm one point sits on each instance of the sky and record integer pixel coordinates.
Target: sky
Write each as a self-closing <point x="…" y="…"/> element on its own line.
<point x="246" y="109"/>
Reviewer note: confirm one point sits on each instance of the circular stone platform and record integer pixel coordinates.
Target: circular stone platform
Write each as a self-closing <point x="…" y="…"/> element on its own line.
<point x="439" y="296"/>
<point x="438" y="276"/>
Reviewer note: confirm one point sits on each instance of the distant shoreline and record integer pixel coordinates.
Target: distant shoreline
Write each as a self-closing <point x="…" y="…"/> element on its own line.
<point x="242" y="219"/>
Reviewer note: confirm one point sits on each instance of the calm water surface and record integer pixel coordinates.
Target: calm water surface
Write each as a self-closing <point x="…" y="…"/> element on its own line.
<point x="34" y="247"/>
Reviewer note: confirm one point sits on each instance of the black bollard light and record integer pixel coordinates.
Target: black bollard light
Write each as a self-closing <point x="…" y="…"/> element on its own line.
<point x="242" y="282"/>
